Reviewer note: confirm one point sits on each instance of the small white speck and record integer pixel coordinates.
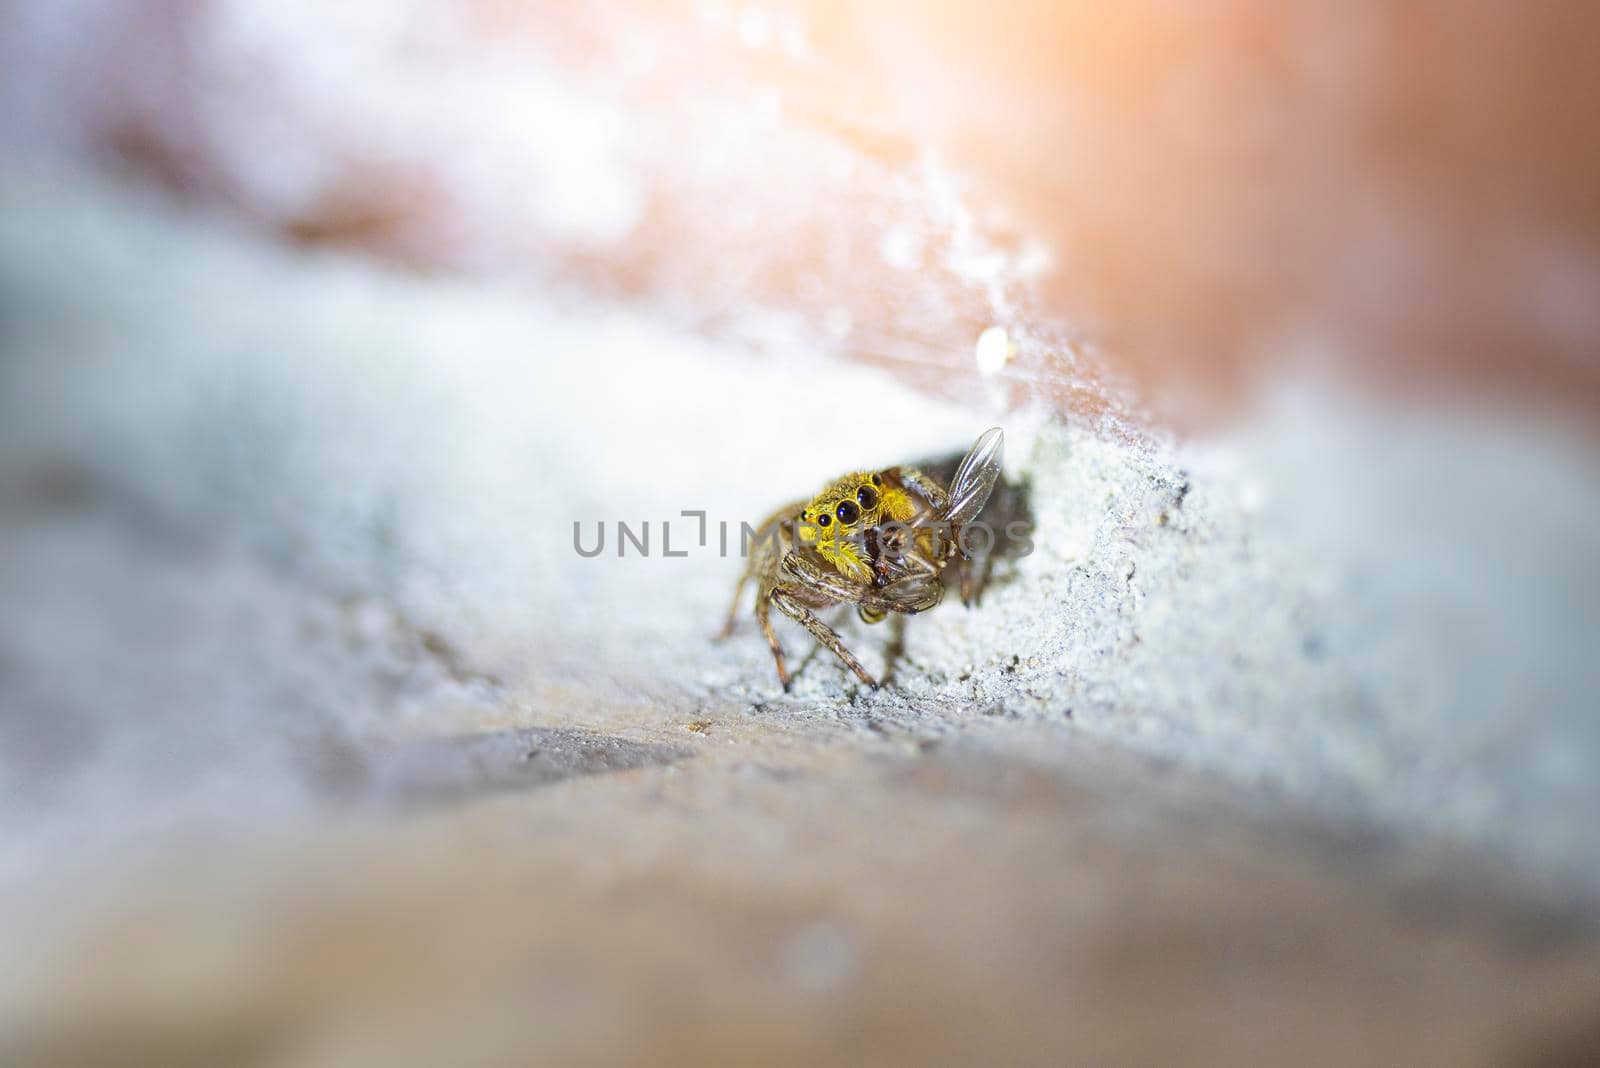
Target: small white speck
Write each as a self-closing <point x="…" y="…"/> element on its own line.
<point x="994" y="350"/>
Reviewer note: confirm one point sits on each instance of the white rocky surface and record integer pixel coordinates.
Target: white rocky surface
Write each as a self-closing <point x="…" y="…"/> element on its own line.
<point x="289" y="561"/>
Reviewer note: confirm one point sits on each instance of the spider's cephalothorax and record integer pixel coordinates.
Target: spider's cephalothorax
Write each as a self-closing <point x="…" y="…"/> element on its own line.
<point x="877" y="540"/>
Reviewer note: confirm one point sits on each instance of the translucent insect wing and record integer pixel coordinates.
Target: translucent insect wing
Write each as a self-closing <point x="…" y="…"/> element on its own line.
<point x="975" y="478"/>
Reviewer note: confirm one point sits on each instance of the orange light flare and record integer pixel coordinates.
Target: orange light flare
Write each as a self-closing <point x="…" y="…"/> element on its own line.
<point x="1155" y="200"/>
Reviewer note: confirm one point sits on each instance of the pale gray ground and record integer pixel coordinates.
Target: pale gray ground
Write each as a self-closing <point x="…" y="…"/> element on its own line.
<point x="289" y="562"/>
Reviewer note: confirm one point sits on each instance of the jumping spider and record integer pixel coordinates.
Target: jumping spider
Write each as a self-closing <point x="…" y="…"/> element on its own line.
<point x="879" y="540"/>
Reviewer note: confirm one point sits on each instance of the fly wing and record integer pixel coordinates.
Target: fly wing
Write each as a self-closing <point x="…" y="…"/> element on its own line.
<point x="975" y="478"/>
<point x="913" y="593"/>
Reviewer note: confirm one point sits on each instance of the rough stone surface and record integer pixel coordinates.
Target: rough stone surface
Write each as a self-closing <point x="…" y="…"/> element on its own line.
<point x="321" y="744"/>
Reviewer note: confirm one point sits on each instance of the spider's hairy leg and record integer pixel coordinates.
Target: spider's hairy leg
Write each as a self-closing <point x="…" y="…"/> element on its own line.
<point x="913" y="558"/>
<point x="924" y="487"/>
<point x="763" y="602"/>
<point x="905" y="549"/>
<point x="788" y="598"/>
<point x="733" y="609"/>
<point x="911" y="594"/>
<point x="834" y="586"/>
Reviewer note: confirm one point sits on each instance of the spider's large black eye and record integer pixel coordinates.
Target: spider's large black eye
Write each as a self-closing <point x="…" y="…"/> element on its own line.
<point x="847" y="512"/>
<point x="823" y="519"/>
<point x="867" y="496"/>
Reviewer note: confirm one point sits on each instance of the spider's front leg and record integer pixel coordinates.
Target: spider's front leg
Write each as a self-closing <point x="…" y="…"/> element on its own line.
<point x="790" y="599"/>
<point x="901" y="552"/>
<point x="911" y="594"/>
<point x="935" y="495"/>
<point x="733" y="609"/>
<point x="764" y="599"/>
<point x="904" y="538"/>
<point x="902" y="595"/>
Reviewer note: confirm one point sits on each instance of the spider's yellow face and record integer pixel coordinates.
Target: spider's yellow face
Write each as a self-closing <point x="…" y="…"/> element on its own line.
<point x="836" y="520"/>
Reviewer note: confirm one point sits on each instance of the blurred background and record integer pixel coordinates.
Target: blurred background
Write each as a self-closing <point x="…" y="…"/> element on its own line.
<point x="322" y="326"/>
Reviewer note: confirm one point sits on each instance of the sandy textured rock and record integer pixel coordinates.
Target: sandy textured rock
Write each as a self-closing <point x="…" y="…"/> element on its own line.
<point x="323" y="745"/>
<point x="1019" y="893"/>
